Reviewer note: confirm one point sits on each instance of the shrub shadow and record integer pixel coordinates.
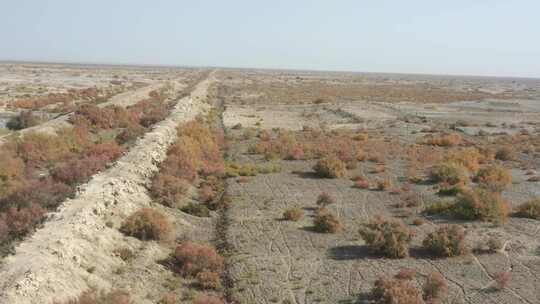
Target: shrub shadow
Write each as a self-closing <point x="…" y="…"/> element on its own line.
<point x="308" y="174"/>
<point x="350" y="252"/>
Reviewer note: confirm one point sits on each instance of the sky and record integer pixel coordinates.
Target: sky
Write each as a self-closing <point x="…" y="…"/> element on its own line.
<point x="464" y="37"/>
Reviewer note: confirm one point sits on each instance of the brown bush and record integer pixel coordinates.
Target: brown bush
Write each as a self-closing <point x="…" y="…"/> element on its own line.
<point x="109" y="150"/>
<point x="435" y="288"/>
<point x="168" y="190"/>
<point x="326" y="222"/>
<point x="505" y="153"/>
<point x="146" y="224"/>
<point x="92" y="296"/>
<point x="530" y="209"/>
<point x="20" y="221"/>
<point x="383" y="184"/>
<point x="44" y="192"/>
<point x="469" y="158"/>
<point x="405" y="274"/>
<point x="324" y="199"/>
<point x="208" y="280"/>
<point x="330" y="167"/>
<point x="482" y="204"/>
<point x="293" y="214"/>
<point x="39" y="149"/>
<point x="494" y="177"/>
<point x="192" y="258"/>
<point x="450" y="173"/>
<point x="130" y="133"/>
<point x="395" y="291"/>
<point x="203" y="299"/>
<point x="446" y="241"/>
<point x="390" y="238"/>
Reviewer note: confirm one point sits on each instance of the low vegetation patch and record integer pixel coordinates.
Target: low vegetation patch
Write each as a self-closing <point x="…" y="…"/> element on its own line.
<point x="482" y="204"/>
<point x="444" y="140"/>
<point x="146" y="224"/>
<point x="387" y="237"/>
<point x="394" y="290"/>
<point x="450" y="173"/>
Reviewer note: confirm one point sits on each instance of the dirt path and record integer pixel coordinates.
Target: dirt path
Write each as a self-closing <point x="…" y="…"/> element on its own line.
<point x="74" y="249"/>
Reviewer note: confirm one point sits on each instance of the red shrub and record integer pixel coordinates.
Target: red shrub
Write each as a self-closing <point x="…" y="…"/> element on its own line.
<point x="20" y="221"/>
<point x="108" y="151"/>
<point x="44" y="192"/>
<point x="168" y="190"/>
<point x="193" y="258"/>
<point x="78" y="170"/>
<point x="207" y="300"/>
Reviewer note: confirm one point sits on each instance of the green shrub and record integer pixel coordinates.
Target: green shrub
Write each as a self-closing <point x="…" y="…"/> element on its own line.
<point x="530" y="209"/>
<point x="330" y="167"/>
<point x="446" y="241"/>
<point x="195" y="209"/>
<point x="449" y="172"/>
<point x="146" y="224"/>
<point x="482" y="204"/>
<point x="390" y="238"/>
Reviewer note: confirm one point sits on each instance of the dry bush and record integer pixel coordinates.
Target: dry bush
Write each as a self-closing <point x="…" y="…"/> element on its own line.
<point x="130" y="133"/>
<point x="482" y="204"/>
<point x="147" y="224"/>
<point x="168" y="298"/>
<point x="44" y="192"/>
<point x="330" y="167"/>
<point x="494" y="177"/>
<point x="435" y="288"/>
<point x="93" y="296"/>
<point x="208" y="280"/>
<point x="326" y="222"/>
<point x="192" y="258"/>
<point x="501" y="279"/>
<point x="390" y="238"/>
<point x="445" y="140"/>
<point x="204" y="299"/>
<point x="362" y="184"/>
<point x="530" y="209"/>
<point x="168" y="190"/>
<point x="40" y="149"/>
<point x="109" y="150"/>
<point x="446" y="241"/>
<point x="395" y="291"/>
<point x="383" y="184"/>
<point x="505" y="153"/>
<point x="324" y="199"/>
<point x="450" y="173"/>
<point x="419" y="221"/>
<point x="405" y="274"/>
<point x="293" y="214"/>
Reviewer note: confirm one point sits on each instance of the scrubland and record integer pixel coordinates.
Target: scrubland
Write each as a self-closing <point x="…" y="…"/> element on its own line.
<point x="249" y="186"/>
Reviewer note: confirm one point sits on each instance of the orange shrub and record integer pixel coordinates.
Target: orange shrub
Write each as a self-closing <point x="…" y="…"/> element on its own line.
<point x="445" y="140"/>
<point x="192" y="258"/>
<point x="146" y="224"/>
<point x="168" y="190"/>
<point x="494" y="177"/>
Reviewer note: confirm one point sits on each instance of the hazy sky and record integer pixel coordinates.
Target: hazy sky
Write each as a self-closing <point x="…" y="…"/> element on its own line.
<point x="481" y="37"/>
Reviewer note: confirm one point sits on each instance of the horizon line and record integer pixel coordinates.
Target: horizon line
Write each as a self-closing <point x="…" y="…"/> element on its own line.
<point x="155" y="65"/>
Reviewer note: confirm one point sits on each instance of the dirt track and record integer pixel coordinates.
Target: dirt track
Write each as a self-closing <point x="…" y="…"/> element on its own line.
<point x="74" y="249"/>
